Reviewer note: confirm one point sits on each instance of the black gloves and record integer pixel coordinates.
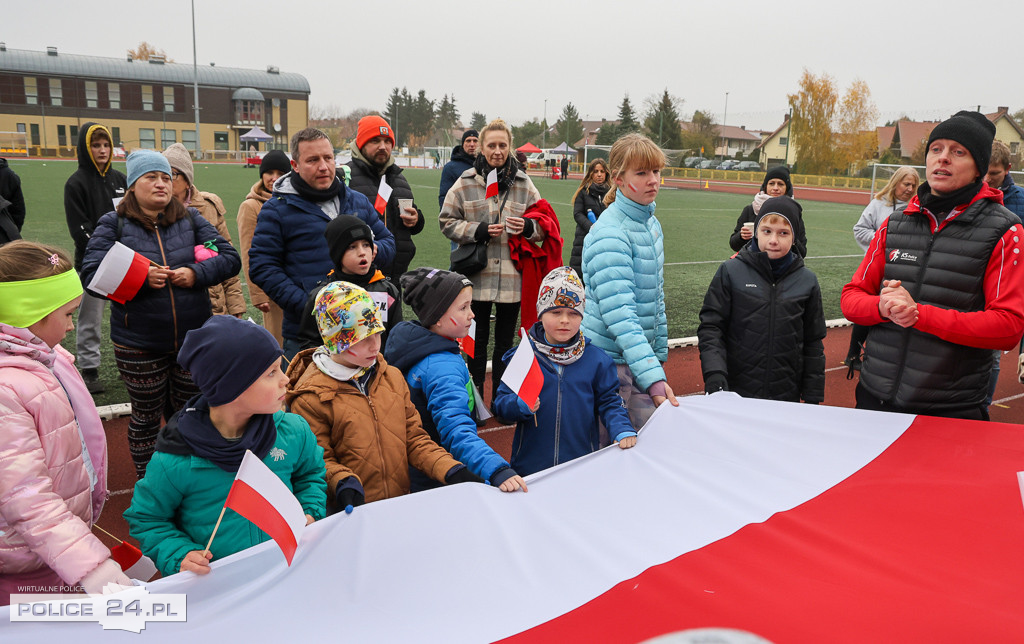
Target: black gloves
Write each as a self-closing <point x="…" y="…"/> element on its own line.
<point x="348" y="493"/>
<point x="461" y="474"/>
<point x="527" y="227"/>
<point x="481" y="233"/>
<point x="715" y="381"/>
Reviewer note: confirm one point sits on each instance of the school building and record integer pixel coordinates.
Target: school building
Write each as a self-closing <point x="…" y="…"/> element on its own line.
<point x="46" y="96"/>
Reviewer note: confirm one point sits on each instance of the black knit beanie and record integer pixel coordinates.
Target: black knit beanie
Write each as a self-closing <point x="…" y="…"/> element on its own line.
<point x="788" y="208"/>
<point x="972" y="130"/>
<point x="778" y="172"/>
<point x="226" y="355"/>
<point x="275" y="160"/>
<point x="469" y="133"/>
<point x="341" y="232"/>
<point x="430" y="291"/>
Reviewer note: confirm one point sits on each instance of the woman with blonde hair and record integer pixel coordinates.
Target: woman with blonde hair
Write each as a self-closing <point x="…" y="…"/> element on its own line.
<point x="623" y="268"/>
<point x="469" y="216"/>
<point x="896" y="194"/>
<point x="587" y="206"/>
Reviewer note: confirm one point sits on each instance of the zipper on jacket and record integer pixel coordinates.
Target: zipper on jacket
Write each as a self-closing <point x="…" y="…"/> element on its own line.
<point x="771" y="338"/>
<point x="558" y="411"/>
<point x="905" y="333"/>
<point x="380" y="450"/>
<point x="170" y="289"/>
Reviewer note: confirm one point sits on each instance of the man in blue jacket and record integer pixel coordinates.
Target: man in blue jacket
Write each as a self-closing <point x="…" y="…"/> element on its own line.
<point x="289" y="253"/>
<point x="462" y="160"/>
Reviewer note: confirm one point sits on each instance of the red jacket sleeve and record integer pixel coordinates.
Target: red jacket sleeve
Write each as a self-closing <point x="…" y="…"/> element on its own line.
<point x="859" y="299"/>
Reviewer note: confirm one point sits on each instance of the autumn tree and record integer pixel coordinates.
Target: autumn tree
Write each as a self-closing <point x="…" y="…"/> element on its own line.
<point x="856" y="137"/>
<point x="529" y="132"/>
<point x="478" y="121"/>
<point x="814" y="110"/>
<point x="569" y="127"/>
<point x="700" y="133"/>
<point x="662" y="121"/>
<point x="145" y="50"/>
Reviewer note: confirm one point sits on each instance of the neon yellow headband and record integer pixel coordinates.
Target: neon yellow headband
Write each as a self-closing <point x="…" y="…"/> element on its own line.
<point x="24" y="303"/>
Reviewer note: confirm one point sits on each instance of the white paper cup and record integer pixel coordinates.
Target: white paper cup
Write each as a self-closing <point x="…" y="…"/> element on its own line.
<point x="749" y="226"/>
<point x="404" y="204"/>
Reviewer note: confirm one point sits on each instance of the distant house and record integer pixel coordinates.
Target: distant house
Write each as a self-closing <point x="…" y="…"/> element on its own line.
<point x="733" y="140"/>
<point x="1008" y="131"/>
<point x="775" y="149"/>
<point x="907" y="137"/>
<point x="590" y="131"/>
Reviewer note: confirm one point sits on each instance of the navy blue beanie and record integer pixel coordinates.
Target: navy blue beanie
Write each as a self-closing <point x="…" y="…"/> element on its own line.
<point x="226" y="355"/>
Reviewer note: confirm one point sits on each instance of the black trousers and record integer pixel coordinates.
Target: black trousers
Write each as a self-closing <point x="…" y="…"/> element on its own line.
<point x="506" y="321"/>
<point x="866" y="401"/>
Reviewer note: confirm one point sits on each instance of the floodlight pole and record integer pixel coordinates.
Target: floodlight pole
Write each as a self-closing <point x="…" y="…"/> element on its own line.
<point x="544" y="130"/>
<point x="195" y="82"/>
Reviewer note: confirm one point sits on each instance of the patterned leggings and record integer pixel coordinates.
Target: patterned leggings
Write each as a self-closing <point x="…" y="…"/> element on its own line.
<point x="157" y="387"/>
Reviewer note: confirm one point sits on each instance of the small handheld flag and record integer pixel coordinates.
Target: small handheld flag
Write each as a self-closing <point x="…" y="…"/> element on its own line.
<point x="380" y="204"/>
<point x="121" y="273"/>
<point x="468" y="343"/>
<point x="134" y="564"/>
<point x="523" y="374"/>
<point x="492" y="184"/>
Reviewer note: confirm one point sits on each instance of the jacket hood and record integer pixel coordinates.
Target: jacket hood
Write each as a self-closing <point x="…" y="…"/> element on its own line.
<point x="3" y="163"/>
<point x="85" y="160"/>
<point x="357" y="155"/>
<point x="758" y="259"/>
<point x="258" y="192"/>
<point x="305" y="377"/>
<point x="297" y="369"/>
<point x="409" y="342"/>
<point x="169" y="439"/>
<point x="458" y="154"/>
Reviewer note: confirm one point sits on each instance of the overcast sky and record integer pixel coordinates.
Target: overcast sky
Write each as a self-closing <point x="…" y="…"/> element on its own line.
<point x="505" y="58"/>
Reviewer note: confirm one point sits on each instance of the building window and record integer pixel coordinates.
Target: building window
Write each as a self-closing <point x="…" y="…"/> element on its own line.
<point x="220" y="140"/>
<point x="115" y="133"/>
<point x="188" y="139"/>
<point x="31" y="93"/>
<point x="35" y="133"/>
<point x="147" y="138"/>
<point x="56" y="93"/>
<point x="21" y="128"/>
<point x="91" y="94"/>
<point x="167" y="99"/>
<point x="1014" y="146"/>
<point x="62" y="136"/>
<point x="73" y="131"/>
<point x="167" y="138"/>
<point x="114" y="95"/>
<point x="248" y="112"/>
<point x="783" y="140"/>
<point x="147" y="98"/>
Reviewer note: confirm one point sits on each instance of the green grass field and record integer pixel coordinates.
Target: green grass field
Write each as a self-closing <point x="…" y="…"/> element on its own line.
<point x="697" y="226"/>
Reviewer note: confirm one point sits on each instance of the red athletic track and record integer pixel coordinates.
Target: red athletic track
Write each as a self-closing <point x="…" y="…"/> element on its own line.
<point x="684" y="376"/>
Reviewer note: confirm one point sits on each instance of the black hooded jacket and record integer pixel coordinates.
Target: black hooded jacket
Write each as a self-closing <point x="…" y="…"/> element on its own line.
<point x="10" y="189"/>
<point x="90" y="192"/>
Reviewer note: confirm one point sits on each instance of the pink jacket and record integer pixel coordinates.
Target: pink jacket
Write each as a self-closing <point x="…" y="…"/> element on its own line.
<point x="47" y="502"/>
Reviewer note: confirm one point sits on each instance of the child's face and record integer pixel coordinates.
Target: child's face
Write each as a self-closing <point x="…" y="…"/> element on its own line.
<point x="362" y="354"/>
<point x="56" y="325"/>
<point x="640" y="186"/>
<point x="358" y="257"/>
<point x="100" y="151"/>
<point x="266" y="395"/>
<point x="776" y="239"/>
<point x="455" y="322"/>
<point x="995" y="176"/>
<point x="561" y="325"/>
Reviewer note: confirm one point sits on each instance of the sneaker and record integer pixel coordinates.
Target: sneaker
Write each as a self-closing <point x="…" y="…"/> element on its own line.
<point x="92" y="381"/>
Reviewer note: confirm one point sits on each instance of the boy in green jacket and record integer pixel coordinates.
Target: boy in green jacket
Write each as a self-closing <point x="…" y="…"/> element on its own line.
<point x="237" y="367"/>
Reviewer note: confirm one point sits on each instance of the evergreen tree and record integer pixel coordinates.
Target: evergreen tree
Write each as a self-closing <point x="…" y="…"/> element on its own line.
<point x="701" y="133"/>
<point x="662" y="122"/>
<point x="569" y="127"/>
<point x="399" y="113"/>
<point x="529" y="131"/>
<point x="608" y="133"/>
<point x="478" y="121"/>
<point x="446" y="118"/>
<point x="422" y="118"/>
<point x="627" y="119"/>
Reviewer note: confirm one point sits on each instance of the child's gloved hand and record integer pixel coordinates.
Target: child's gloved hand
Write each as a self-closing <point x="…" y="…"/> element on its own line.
<point x="715" y="381"/>
<point x="103" y="574"/>
<point x="348" y="496"/>
<point x="461" y="474"/>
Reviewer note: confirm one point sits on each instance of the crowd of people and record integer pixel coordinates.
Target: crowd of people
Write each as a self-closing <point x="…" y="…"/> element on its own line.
<point x="348" y="403"/>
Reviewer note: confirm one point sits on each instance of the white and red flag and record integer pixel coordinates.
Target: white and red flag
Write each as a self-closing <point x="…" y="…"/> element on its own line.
<point x="492" y="184"/>
<point x="468" y="343"/>
<point x="260" y="496"/>
<point x="121" y="273"/>
<point x="523" y="374"/>
<point x="134" y="564"/>
<point x="380" y="204"/>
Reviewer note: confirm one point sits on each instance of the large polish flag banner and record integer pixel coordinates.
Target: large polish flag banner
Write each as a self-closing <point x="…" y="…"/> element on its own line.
<point x="731" y="517"/>
<point x="121" y="273"/>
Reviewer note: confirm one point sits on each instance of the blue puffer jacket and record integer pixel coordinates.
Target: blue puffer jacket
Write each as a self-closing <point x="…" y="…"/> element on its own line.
<point x="1013" y="196"/>
<point x="289" y="254"/>
<point x="452" y="171"/>
<point x="157" y="319"/>
<point x="623" y="269"/>
<point x="442" y="391"/>
<point x="573" y="398"/>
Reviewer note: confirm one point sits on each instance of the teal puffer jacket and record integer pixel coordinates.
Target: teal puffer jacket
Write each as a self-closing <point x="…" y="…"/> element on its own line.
<point x="623" y="269"/>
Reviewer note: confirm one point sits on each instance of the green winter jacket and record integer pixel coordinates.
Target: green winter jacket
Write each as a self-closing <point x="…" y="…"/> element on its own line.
<point x="176" y="505"/>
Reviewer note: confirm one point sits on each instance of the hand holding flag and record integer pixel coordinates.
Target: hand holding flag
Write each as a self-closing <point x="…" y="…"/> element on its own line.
<point x="121" y="273"/>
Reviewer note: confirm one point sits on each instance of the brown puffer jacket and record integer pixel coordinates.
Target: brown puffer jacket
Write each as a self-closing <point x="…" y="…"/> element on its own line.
<point x="225" y="298"/>
<point x="374" y="437"/>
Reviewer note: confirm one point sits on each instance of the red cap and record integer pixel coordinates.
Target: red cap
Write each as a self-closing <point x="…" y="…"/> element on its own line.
<point x="373" y="126"/>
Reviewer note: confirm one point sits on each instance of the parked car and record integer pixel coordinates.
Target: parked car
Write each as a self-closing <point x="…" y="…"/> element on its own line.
<point x="728" y="164"/>
<point x="708" y="164"/>
<point x="691" y="162"/>
<point x="748" y="166"/>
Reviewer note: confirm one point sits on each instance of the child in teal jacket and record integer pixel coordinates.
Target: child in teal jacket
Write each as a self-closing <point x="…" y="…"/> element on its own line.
<point x="236" y="365"/>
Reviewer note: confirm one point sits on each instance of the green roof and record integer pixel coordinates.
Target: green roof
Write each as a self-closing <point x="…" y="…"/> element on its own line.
<point x="23" y="61"/>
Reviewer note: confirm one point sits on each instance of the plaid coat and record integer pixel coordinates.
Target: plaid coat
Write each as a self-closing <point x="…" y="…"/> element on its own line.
<point x="465" y="209"/>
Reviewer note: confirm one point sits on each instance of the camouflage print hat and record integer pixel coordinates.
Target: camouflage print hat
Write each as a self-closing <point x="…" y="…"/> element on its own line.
<point x="561" y="288"/>
<point x="345" y="314"/>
